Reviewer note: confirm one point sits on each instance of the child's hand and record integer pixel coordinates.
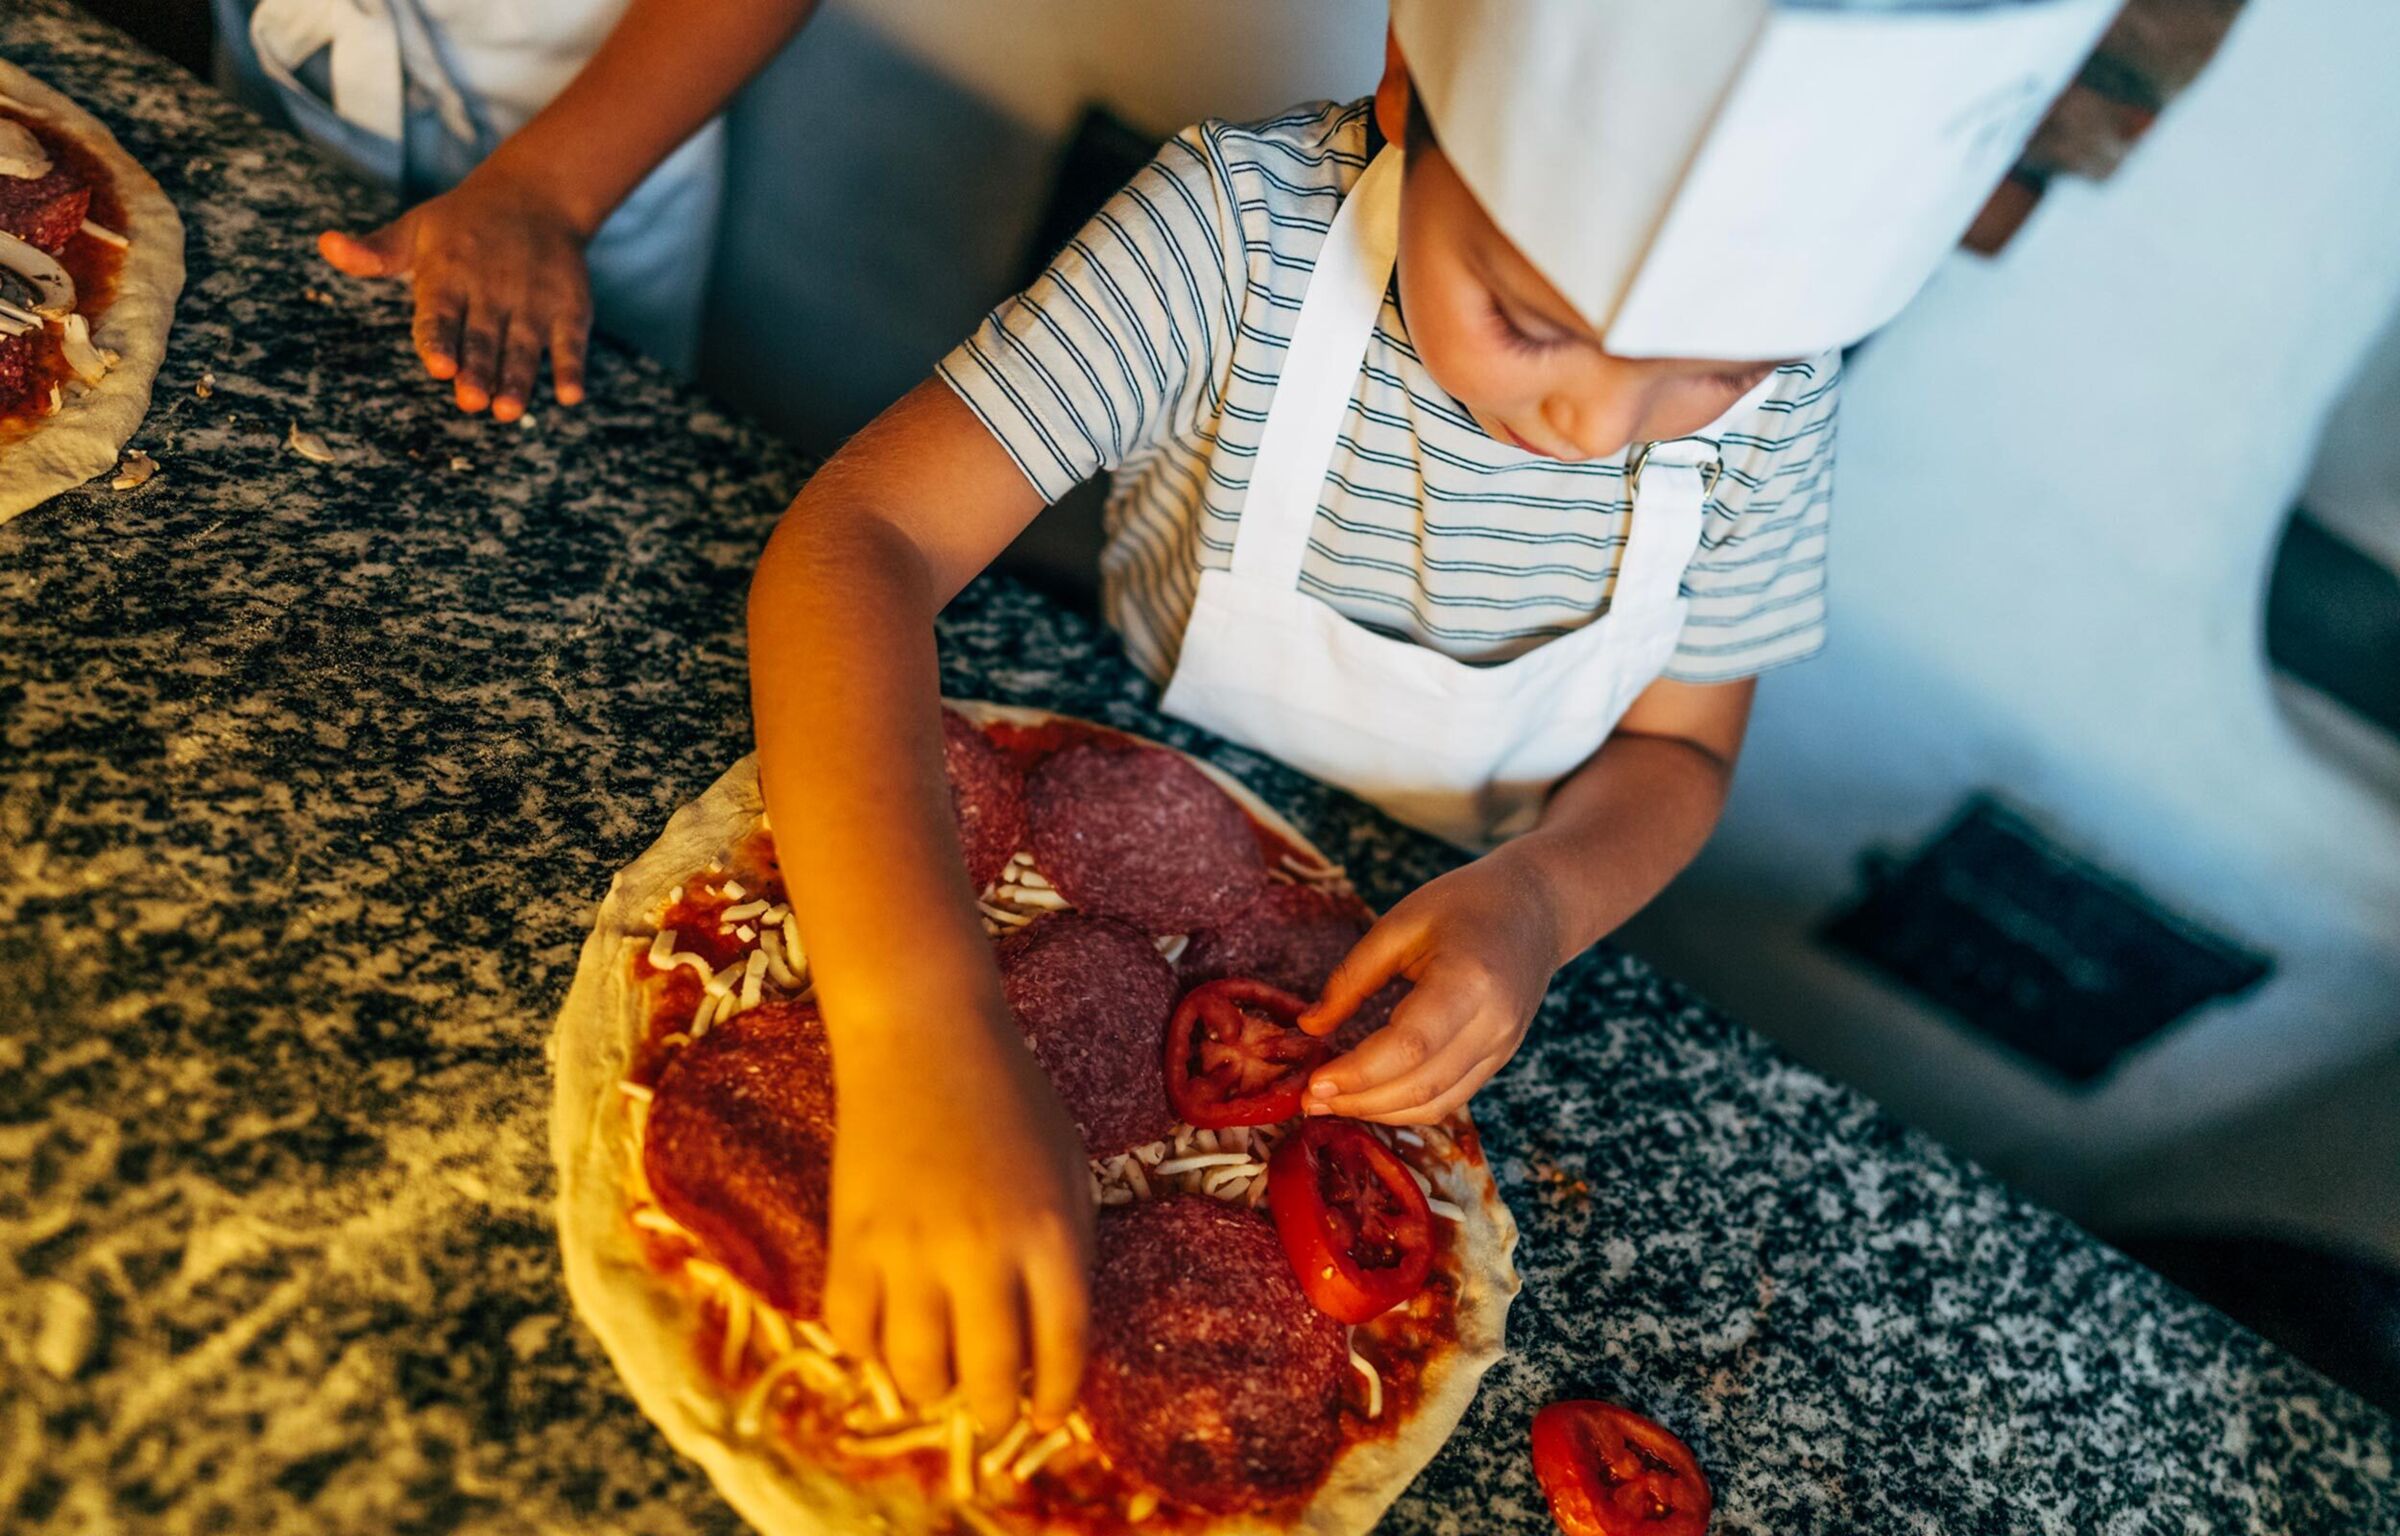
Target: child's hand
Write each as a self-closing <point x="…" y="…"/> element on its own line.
<point x="1480" y="943"/>
<point x="962" y="1224"/>
<point x="498" y="273"/>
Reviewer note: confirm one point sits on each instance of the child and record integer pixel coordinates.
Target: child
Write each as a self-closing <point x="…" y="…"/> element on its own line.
<point x="1398" y="535"/>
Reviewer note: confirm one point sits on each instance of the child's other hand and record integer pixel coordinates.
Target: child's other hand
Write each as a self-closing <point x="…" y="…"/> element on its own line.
<point x="498" y="273"/>
<point x="1480" y="943"/>
<point x="961" y="1230"/>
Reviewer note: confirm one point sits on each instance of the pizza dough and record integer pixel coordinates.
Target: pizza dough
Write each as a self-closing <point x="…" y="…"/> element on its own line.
<point x="43" y="457"/>
<point x="669" y="1339"/>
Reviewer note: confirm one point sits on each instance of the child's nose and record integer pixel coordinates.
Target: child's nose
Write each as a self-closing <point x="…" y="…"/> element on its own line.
<point x="1597" y="426"/>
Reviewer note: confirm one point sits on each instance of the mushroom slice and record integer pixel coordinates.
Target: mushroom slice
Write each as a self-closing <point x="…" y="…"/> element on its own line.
<point x="75" y="345"/>
<point x="21" y="154"/>
<point x="53" y="292"/>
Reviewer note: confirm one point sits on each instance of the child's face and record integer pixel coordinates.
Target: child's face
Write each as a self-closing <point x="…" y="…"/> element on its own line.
<point x="1499" y="337"/>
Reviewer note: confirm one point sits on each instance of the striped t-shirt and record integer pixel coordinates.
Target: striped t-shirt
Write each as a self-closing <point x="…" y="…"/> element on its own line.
<point x="1151" y="348"/>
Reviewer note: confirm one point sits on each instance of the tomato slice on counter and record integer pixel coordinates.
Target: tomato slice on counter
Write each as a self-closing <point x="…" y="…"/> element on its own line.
<point x="1353" y="1222"/>
<point x="1608" y="1471"/>
<point x="1235" y="1057"/>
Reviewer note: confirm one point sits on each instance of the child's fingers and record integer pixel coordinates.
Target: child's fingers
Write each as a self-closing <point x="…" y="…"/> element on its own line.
<point x="1422" y="1051"/>
<point x="568" y="336"/>
<point x="1057" y="1302"/>
<point x="440" y="308"/>
<point x="987" y="1332"/>
<point x="1386" y="949"/>
<point x="916" y="1334"/>
<point x="1425" y="1072"/>
<point x="479" y="352"/>
<point x="853" y="1299"/>
<point x="385" y="252"/>
<point x="1451" y="1101"/>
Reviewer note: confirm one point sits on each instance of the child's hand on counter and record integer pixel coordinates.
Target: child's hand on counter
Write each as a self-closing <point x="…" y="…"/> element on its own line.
<point x="961" y="1229"/>
<point x="496" y="266"/>
<point x="1480" y="943"/>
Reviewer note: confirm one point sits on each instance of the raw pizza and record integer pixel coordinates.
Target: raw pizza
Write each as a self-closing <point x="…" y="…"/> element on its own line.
<point x="1289" y="1317"/>
<point x="91" y="261"/>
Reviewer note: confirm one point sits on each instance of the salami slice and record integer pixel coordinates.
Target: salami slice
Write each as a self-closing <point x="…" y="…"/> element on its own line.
<point x="1093" y="996"/>
<point x="740" y="1143"/>
<point x="1139" y="834"/>
<point x="1292" y="937"/>
<point x="987" y="796"/>
<point x="1210" y="1375"/>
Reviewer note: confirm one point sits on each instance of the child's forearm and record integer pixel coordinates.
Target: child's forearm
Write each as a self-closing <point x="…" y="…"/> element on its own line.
<point x="1619" y="829"/>
<point x="666" y="68"/>
<point x="845" y="691"/>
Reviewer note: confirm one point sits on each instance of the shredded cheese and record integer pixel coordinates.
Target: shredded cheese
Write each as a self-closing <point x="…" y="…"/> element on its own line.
<point x="732" y="891"/>
<point x="883" y="1390"/>
<point x="1444" y="1208"/>
<point x="1366" y="1368"/>
<point x="995" y="1461"/>
<point x="736" y="1342"/>
<point x="634" y="1090"/>
<point x="962" y="1455"/>
<point x="651" y="1219"/>
<point x="754" y="979"/>
<point x="1175" y="1165"/>
<point x="1407" y="1137"/>
<point x="1025" y="1466"/>
<point x="924" y="1437"/>
<point x="1218" y="1181"/>
<point x="664" y="958"/>
<point x="750" y="1413"/>
<point x="770" y="943"/>
<point x="792" y="954"/>
<point x="814" y="1335"/>
<point x="1173" y="945"/>
<point x="741" y="914"/>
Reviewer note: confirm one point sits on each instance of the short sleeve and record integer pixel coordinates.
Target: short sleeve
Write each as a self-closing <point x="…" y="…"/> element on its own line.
<point x="1125" y="341"/>
<point x="1757" y="584"/>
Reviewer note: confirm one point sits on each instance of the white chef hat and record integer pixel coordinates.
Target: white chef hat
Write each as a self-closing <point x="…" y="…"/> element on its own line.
<point x="1738" y="179"/>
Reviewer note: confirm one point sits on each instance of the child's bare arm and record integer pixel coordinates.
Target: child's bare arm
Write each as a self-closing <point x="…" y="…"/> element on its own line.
<point x="1481" y="942"/>
<point x="960" y="1201"/>
<point x="496" y="263"/>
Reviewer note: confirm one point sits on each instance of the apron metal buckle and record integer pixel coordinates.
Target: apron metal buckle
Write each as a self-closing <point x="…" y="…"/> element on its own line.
<point x="1710" y="472"/>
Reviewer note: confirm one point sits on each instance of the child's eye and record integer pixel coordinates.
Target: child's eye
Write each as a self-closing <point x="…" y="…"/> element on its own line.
<point x="1515" y="335"/>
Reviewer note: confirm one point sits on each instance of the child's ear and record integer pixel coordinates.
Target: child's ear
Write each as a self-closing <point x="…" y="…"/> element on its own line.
<point x="1391" y="93"/>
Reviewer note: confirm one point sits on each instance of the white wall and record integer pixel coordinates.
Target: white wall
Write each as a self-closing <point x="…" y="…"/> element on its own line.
<point x="1160" y="63"/>
<point x="889" y="167"/>
<point x="2062" y="477"/>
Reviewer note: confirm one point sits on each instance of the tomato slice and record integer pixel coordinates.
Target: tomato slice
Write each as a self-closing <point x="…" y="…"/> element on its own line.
<point x="1353" y="1222"/>
<point x="1234" y="1057"/>
<point x="1608" y="1471"/>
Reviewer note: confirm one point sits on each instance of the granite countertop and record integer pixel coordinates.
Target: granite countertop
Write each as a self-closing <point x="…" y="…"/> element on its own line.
<point x="311" y="776"/>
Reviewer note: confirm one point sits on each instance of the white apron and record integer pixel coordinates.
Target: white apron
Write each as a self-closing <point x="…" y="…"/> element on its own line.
<point x="1466" y="752"/>
<point x="417" y="92"/>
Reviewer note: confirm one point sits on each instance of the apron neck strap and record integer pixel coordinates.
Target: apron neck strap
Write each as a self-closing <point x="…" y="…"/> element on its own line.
<point x="1670" y="482"/>
<point x="1320" y="365"/>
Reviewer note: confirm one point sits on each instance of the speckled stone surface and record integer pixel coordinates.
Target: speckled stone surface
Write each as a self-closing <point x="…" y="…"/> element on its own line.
<point x="310" y="776"/>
